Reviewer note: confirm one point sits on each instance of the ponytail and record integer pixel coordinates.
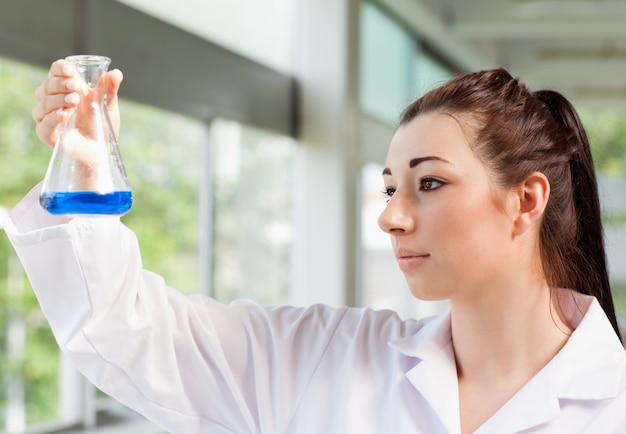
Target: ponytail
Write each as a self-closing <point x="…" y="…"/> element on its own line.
<point x="587" y="261"/>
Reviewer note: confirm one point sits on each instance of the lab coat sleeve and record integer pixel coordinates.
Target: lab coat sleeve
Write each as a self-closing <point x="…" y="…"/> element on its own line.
<point x="190" y="364"/>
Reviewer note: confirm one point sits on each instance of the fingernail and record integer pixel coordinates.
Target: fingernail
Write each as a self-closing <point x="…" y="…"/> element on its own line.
<point x="71" y="98"/>
<point x="71" y="85"/>
<point x="67" y="70"/>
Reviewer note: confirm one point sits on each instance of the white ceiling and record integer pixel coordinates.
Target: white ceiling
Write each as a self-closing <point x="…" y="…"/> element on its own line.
<point x="575" y="46"/>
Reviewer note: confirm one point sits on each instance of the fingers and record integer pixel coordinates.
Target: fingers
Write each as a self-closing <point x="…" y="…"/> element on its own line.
<point x="56" y="85"/>
<point x="52" y="102"/>
<point x="57" y="92"/>
<point x="48" y="128"/>
<point x="62" y="90"/>
<point x="115" y="78"/>
<point x="61" y="79"/>
<point x="61" y="68"/>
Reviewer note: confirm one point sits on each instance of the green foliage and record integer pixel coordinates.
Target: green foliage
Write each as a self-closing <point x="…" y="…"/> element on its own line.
<point x="607" y="137"/>
<point x="23" y="157"/>
<point x="23" y="160"/>
<point x="161" y="152"/>
<point x="619" y="298"/>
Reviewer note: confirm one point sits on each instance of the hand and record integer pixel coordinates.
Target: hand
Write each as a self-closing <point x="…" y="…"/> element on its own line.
<point x="60" y="93"/>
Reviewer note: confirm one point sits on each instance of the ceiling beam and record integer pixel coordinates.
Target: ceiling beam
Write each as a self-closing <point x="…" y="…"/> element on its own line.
<point x="536" y="19"/>
<point x="572" y="71"/>
<point x="540" y="29"/>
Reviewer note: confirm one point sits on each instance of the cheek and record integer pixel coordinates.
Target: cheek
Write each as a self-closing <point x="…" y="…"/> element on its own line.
<point x="466" y="236"/>
<point x="472" y="235"/>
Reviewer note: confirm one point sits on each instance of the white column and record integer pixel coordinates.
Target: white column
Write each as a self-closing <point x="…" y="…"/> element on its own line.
<point x="16" y="339"/>
<point x="205" y="215"/>
<point x="77" y="395"/>
<point x="326" y="204"/>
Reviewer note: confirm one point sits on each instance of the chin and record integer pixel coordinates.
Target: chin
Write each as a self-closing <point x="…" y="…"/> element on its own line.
<point x="428" y="292"/>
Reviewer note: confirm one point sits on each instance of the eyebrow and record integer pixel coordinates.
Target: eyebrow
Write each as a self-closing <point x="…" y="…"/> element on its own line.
<point x="417" y="161"/>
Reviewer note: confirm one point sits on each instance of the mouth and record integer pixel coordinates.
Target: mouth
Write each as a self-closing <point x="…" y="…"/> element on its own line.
<point x="408" y="260"/>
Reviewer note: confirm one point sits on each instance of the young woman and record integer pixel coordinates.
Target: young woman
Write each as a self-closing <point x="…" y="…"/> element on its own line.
<point x="492" y="204"/>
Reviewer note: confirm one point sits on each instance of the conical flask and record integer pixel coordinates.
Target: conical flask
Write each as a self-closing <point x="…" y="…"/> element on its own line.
<point x="86" y="174"/>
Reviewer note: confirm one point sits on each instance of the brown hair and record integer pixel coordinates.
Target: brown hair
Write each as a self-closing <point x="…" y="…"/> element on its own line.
<point x="515" y="132"/>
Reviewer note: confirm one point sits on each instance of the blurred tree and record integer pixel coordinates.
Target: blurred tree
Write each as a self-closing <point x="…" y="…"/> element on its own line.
<point x="23" y="160"/>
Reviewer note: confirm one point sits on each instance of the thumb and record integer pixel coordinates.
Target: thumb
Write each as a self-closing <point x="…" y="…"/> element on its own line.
<point x="114" y="81"/>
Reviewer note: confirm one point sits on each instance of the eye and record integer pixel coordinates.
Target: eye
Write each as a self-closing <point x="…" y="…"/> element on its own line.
<point x="430" y="184"/>
<point x="388" y="192"/>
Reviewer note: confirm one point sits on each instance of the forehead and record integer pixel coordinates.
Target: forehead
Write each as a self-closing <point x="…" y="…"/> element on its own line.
<point x="430" y="134"/>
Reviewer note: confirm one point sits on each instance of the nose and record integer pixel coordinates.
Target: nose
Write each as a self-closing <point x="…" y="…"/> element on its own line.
<point x="397" y="218"/>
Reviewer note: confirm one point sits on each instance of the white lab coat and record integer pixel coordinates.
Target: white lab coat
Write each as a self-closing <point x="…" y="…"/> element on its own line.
<point x="194" y="365"/>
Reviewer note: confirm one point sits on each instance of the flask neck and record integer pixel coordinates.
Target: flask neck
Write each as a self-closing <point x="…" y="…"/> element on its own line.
<point x="90" y="68"/>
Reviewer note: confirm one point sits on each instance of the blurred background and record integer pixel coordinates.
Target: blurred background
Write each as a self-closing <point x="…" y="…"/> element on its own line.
<point x="254" y="134"/>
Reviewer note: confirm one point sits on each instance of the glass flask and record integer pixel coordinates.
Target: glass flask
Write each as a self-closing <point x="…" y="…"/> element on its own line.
<point x="86" y="174"/>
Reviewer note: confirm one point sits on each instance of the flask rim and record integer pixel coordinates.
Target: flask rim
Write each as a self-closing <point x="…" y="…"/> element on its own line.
<point x="87" y="59"/>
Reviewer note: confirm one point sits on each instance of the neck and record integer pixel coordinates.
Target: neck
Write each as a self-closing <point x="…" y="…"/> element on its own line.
<point x="501" y="340"/>
<point x="509" y="335"/>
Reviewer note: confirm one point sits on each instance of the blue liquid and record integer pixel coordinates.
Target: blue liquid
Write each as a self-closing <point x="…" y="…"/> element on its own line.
<point x="86" y="203"/>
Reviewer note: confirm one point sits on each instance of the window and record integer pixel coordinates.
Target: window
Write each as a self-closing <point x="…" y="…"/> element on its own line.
<point x="386" y="63"/>
<point x="607" y="137"/>
<point x="162" y="153"/>
<point x="29" y="358"/>
<point x="252" y="179"/>
<point x="395" y="68"/>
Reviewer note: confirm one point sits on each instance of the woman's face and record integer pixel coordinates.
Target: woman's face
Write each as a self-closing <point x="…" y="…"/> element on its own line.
<point x="448" y="223"/>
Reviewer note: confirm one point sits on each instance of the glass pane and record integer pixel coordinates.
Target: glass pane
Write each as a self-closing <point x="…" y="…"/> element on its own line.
<point x="252" y="230"/>
<point x="394" y="69"/>
<point x="162" y="155"/>
<point x="386" y="55"/>
<point x="427" y="74"/>
<point x="260" y="29"/>
<point x="607" y="136"/>
<point x="29" y="359"/>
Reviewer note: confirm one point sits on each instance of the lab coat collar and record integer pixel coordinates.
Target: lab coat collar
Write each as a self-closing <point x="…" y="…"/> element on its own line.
<point x="591" y="364"/>
<point x="589" y="367"/>
<point x="434" y="335"/>
<point x="435" y="375"/>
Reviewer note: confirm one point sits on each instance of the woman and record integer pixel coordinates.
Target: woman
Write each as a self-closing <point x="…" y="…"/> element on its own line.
<point x="492" y="204"/>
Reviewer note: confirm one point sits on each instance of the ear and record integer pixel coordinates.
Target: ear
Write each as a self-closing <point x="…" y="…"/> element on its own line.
<point x="532" y="197"/>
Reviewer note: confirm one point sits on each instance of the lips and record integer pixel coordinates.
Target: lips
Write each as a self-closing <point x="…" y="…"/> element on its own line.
<point x="408" y="259"/>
